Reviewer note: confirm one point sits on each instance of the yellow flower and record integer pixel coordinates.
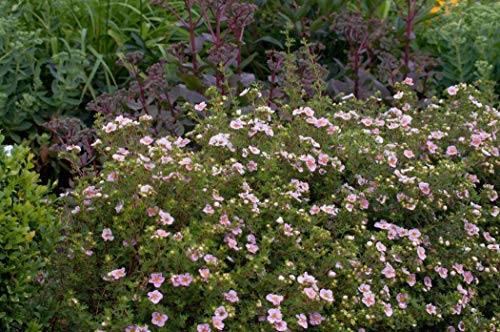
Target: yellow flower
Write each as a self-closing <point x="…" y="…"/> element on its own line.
<point x="441" y="4"/>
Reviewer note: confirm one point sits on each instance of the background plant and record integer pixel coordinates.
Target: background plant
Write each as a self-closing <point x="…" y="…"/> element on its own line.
<point x="448" y="38"/>
<point x="209" y="55"/>
<point x="56" y="56"/>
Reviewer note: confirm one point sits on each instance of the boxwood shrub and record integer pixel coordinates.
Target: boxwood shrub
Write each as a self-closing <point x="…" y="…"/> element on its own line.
<point x="28" y="229"/>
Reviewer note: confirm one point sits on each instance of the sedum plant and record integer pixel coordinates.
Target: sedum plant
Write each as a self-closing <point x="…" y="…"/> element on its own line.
<point x="466" y="41"/>
<point x="330" y="216"/>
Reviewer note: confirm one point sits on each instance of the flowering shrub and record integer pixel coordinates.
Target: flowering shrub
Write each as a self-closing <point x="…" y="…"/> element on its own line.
<point x="349" y="216"/>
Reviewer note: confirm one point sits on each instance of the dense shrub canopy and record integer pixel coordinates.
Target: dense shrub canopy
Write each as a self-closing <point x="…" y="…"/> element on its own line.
<point x="27" y="233"/>
<point x="331" y="216"/>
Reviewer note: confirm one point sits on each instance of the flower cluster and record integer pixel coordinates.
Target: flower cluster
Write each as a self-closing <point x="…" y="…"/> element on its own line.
<point x="337" y="216"/>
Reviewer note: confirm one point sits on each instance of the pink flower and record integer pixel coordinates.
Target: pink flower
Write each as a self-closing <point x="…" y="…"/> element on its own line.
<point x="118" y="157"/>
<point x="368" y="299"/>
<point x="281" y="326"/>
<point x="210" y="259"/>
<point x="428" y="282"/>
<point x="107" y="235"/>
<point x="156" y="279"/>
<point x="221" y="313"/>
<point x="476" y="140"/>
<point x="159" y="319"/>
<point x="185" y="279"/>
<point x="323" y="159"/>
<point x="411" y="279"/>
<point x="200" y="107"/>
<point x="452" y="90"/>
<point x="388" y="309"/>
<point x="315" y="318"/>
<point x="252" y="248"/>
<point x="208" y="209"/>
<point x="421" y="253"/>
<point x="224" y="220"/>
<point x="443" y="272"/>
<point x="364" y="288"/>
<point x="310" y="163"/>
<point x="274" y="316"/>
<point x="217" y="323"/>
<point x="117" y="274"/>
<point x="155" y="296"/>
<point x="459" y="268"/>
<point x="205" y="273"/>
<point x="314" y="210"/>
<point x="367" y="121"/>
<point x="408" y="81"/>
<point x="364" y="204"/>
<point x="236" y="124"/>
<point x="424" y="187"/>
<point x="152" y="211"/>
<point x="113" y="176"/>
<point x="389" y="271"/>
<point x="231" y="296"/>
<point x="274" y="299"/>
<point x="310" y="292"/>
<point x="468" y="277"/>
<point x="431" y="310"/>
<point x="302" y="320"/>
<point x="392" y="160"/>
<point x="110" y="127"/>
<point x="451" y="150"/>
<point x="409" y="154"/>
<point x="252" y="166"/>
<point x="402" y="297"/>
<point x="414" y="234"/>
<point x="321" y="122"/>
<point x="165" y="218"/>
<point x="162" y="233"/>
<point x="431" y="147"/>
<point x="146" y="140"/>
<point x="326" y="295"/>
<point x="203" y="328"/>
<point x="175" y="279"/>
<point x="380" y="247"/>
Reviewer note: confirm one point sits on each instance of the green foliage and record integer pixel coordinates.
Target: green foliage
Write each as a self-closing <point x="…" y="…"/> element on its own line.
<point x="467" y="43"/>
<point x="27" y="232"/>
<point x="21" y="90"/>
<point x="329" y="196"/>
<point x="55" y="56"/>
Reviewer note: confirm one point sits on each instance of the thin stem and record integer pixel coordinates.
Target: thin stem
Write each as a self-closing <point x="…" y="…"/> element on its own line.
<point x="192" y="38"/>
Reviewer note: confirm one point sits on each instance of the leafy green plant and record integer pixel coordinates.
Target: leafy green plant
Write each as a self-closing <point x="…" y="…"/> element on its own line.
<point x="21" y="90"/>
<point x="56" y="56"/>
<point x="467" y="43"/>
<point x="28" y="229"/>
